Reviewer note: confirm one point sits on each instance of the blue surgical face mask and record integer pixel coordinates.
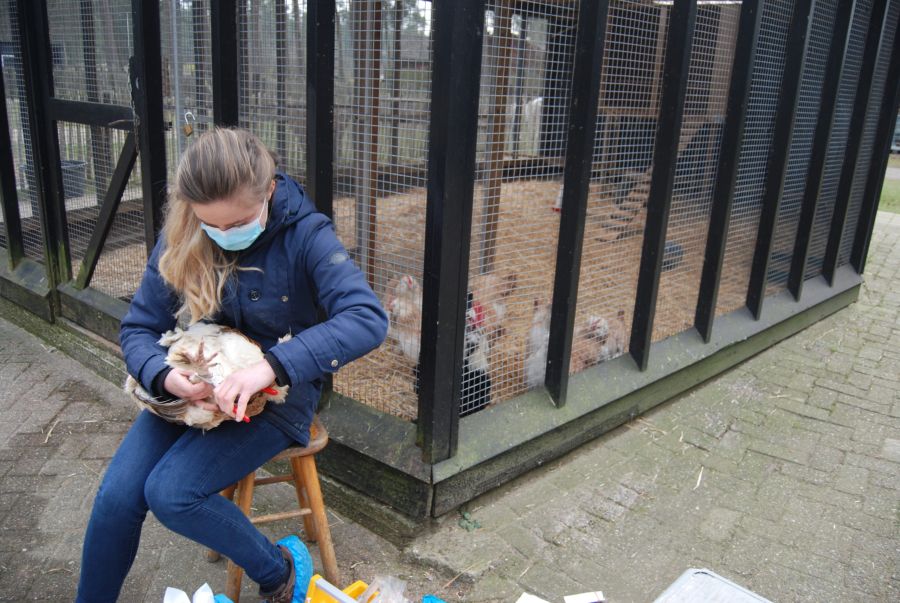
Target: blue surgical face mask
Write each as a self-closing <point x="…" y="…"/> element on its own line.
<point x="236" y="238"/>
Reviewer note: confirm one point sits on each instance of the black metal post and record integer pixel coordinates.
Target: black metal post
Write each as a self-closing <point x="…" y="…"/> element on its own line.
<point x="779" y="151"/>
<point x="281" y="35"/>
<point x="225" y="62"/>
<point x="732" y="140"/>
<point x="320" y="16"/>
<point x="665" y="156"/>
<point x="877" y="23"/>
<point x="456" y="42"/>
<point x="146" y="91"/>
<point x="840" y="38"/>
<point x="12" y="220"/>
<point x="38" y="76"/>
<point x="878" y="165"/>
<point x="585" y="85"/>
<point x="320" y="103"/>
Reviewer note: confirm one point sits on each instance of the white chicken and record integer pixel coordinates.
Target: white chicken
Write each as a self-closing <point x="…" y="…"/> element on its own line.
<point x="211" y="352"/>
<point x="587" y="343"/>
<point x="489" y="294"/>
<point x="536" y="345"/>
<point x="404" y="309"/>
<point x="614" y="342"/>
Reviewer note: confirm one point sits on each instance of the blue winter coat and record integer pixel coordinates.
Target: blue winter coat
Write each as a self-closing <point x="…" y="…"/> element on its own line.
<point x="303" y="266"/>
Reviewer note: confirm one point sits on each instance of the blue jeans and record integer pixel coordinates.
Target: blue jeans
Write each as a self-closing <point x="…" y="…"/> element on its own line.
<point x="177" y="472"/>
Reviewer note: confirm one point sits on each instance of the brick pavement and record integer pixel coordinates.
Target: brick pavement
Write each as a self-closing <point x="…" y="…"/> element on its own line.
<point x="782" y="475"/>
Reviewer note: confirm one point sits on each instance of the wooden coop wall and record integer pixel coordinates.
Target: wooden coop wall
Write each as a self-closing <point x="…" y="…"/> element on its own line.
<point x="383" y="63"/>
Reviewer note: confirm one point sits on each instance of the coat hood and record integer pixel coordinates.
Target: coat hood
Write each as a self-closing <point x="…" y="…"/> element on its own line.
<point x="290" y="204"/>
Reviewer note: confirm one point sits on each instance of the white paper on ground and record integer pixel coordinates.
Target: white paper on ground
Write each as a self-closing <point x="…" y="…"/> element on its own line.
<point x="204" y="594"/>
<point x="592" y="597"/>
<point x="526" y="598"/>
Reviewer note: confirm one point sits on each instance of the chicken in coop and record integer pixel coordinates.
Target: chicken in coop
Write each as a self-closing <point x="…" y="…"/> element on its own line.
<point x="587" y="343"/>
<point x="536" y="345"/>
<point x="614" y="343"/>
<point x="404" y="310"/>
<point x="598" y="340"/>
<point x="489" y="294"/>
<point x="475" y="393"/>
<point x="476" y="377"/>
<point x="211" y="352"/>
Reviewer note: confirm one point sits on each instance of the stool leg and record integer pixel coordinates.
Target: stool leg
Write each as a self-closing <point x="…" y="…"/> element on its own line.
<point x="235" y="572"/>
<point x="309" y="524"/>
<point x="211" y="555"/>
<point x="307" y="468"/>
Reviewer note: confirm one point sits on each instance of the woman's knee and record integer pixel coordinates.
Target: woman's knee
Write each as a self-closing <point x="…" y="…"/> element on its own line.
<point x="119" y="499"/>
<point x="169" y="497"/>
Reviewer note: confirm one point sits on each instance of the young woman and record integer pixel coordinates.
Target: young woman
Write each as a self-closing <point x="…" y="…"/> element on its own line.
<point x="242" y="245"/>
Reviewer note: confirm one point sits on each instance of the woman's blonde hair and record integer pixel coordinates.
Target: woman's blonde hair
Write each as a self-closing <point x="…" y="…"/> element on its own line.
<point x="217" y="165"/>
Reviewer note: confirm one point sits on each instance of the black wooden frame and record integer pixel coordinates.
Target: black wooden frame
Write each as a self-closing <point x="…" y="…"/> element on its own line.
<point x="665" y="158"/>
<point x="877" y="23"/>
<point x="834" y="69"/>
<point x="878" y="164"/>
<point x="582" y="129"/>
<point x="780" y="150"/>
<point x="457" y="32"/>
<point x="732" y="139"/>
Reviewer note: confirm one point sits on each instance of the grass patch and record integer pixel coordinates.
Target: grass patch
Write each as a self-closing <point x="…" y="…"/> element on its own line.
<point x="890" y="196"/>
<point x="894" y="160"/>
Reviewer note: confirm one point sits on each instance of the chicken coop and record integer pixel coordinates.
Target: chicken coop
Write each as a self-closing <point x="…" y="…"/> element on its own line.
<point x="572" y="210"/>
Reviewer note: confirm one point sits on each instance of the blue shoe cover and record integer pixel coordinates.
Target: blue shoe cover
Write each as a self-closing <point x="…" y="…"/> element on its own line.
<point x="303" y="567"/>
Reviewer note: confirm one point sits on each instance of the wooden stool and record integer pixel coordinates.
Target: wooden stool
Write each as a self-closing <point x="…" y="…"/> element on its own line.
<point x="309" y="498"/>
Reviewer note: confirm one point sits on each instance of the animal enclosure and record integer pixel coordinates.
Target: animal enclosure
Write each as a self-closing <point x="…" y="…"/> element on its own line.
<point x="553" y="199"/>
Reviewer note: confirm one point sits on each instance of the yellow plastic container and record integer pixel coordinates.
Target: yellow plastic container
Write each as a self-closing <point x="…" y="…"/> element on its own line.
<point x="316" y="592"/>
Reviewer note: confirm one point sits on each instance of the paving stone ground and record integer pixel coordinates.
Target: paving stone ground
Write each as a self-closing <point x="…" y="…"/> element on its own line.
<point x="782" y="474"/>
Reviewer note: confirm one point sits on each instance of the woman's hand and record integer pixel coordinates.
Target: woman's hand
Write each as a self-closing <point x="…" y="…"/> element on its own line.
<point x="240" y="385"/>
<point x="179" y="385"/>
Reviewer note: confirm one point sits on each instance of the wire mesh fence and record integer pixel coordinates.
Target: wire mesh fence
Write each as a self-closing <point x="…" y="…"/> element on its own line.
<point x="523" y="115"/>
<point x="96" y="42"/>
<point x="709" y="76"/>
<point x="837" y="143"/>
<point x="91" y="42"/>
<point x="20" y="136"/>
<point x="382" y="95"/>
<point x="768" y="68"/>
<point x="866" y="150"/>
<point x="628" y="106"/>
<point x="185" y="37"/>
<point x="805" y="118"/>
<point x="272" y="91"/>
